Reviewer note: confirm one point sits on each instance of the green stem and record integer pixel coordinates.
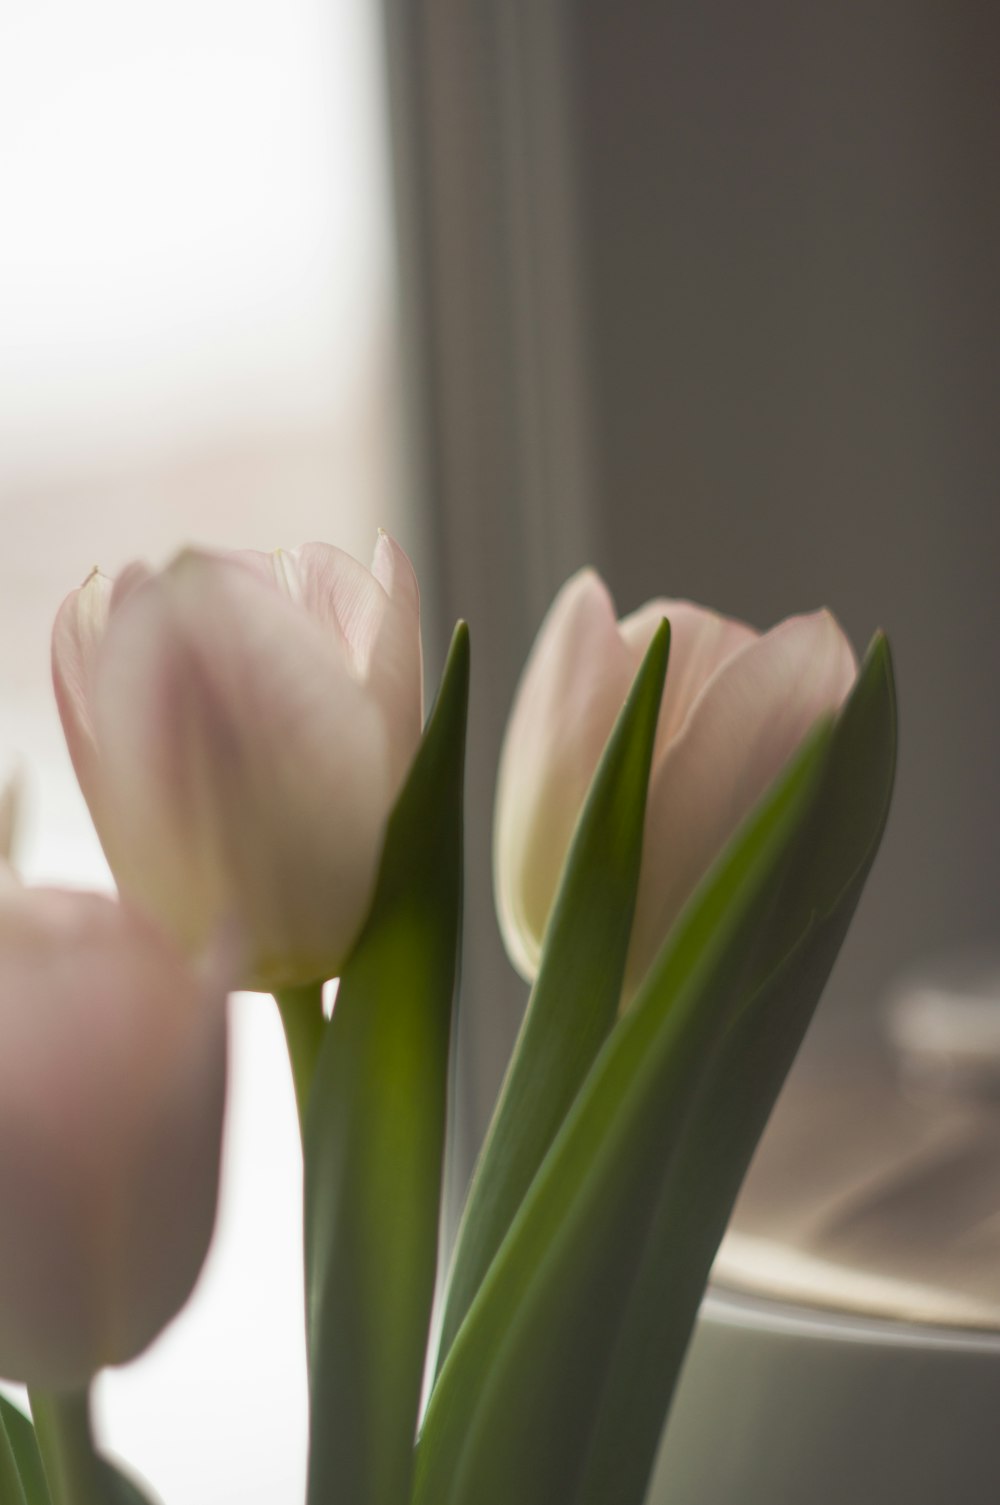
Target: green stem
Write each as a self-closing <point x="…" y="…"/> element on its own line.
<point x="73" y="1469"/>
<point x="301" y="1011"/>
<point x="11" y="1487"/>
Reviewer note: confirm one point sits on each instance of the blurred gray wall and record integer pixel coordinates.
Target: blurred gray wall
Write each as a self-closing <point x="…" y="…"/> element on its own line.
<point x="707" y="293"/>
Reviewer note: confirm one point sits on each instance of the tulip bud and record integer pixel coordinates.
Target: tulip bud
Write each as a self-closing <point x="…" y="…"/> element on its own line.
<point x="112" y="1083"/>
<point x="240" y="726"/>
<point x="735" y="707"/>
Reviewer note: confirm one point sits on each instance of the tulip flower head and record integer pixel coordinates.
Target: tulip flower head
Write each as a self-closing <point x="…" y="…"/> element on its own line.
<point x="240" y="726"/>
<point x="736" y="705"/>
<point x="112" y="1084"/>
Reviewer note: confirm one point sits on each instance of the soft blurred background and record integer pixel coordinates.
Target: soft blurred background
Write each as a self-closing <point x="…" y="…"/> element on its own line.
<point x="705" y="294"/>
<point x="197" y="342"/>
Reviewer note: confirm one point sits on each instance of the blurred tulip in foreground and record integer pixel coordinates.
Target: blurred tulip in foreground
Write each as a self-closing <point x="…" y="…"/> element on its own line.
<point x="736" y="705"/>
<point x="112" y="1083"/>
<point x="240" y="725"/>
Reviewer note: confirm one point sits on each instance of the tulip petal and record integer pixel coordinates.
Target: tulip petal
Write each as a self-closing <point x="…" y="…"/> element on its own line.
<point x="397" y="670"/>
<point x="131" y="577"/>
<point x="112" y="1082"/>
<point x="326" y="584"/>
<point x="740" y="731"/>
<point x="175" y="1155"/>
<point x="376" y="617"/>
<point x="377" y="612"/>
<point x="229" y="729"/>
<point x="572" y="689"/>
<point x="338" y="591"/>
<point x="700" y="641"/>
<point x="76" y="638"/>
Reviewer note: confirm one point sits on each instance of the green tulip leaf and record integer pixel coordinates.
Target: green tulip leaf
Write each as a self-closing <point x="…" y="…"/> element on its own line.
<point x="11" y="1489"/>
<point x="375" y="1131"/>
<point x="737" y="1091"/>
<point x="19" y="1431"/>
<point x="574" y="1002"/>
<point x="18" y="1445"/>
<point x="123" y="1490"/>
<point x="516" y="1401"/>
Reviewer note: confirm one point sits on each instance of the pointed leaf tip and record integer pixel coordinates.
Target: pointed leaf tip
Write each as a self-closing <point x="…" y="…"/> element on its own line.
<point x="575" y="999"/>
<point x="374" y="1142"/>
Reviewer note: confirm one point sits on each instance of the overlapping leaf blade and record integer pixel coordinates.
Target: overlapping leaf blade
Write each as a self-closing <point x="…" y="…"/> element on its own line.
<point x="123" y="1490"/>
<point x="20" y="1431"/>
<point x="575" y="998"/>
<point x="23" y="1450"/>
<point x="517" y="1399"/>
<point x="374" y="1136"/>
<point x="795" y="954"/>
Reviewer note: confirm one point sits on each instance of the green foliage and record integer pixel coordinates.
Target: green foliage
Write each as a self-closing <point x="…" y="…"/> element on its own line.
<point x="121" y="1490"/>
<point x="557" y="1383"/>
<point x="574" y="1002"/>
<point x="740" y="1082"/>
<point x="20" y="1432"/>
<point x="22" y="1449"/>
<point x="517" y="1397"/>
<point x="374" y="1135"/>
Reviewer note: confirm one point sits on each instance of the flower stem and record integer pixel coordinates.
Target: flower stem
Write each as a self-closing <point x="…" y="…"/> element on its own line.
<point x="301" y="1011"/>
<point x="73" y="1469"/>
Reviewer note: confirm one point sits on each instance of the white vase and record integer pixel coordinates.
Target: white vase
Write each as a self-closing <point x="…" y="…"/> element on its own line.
<point x="783" y="1405"/>
<point x="848" y="1352"/>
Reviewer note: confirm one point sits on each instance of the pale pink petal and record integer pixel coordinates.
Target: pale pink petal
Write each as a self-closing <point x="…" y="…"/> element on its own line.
<point x="112" y="1082"/>
<point x="573" y="686"/>
<point x="302" y="575"/>
<point x="700" y="641"/>
<point x="396" y="673"/>
<point x="332" y="587"/>
<point x="374" y="616"/>
<point x="393" y="570"/>
<point x="319" y="579"/>
<point x="276" y="568"/>
<point x="740" y="732"/>
<point x="174" y="1156"/>
<point x="76" y="639"/>
<point x="230" y="729"/>
<point x="340" y="593"/>
<point x="131" y="577"/>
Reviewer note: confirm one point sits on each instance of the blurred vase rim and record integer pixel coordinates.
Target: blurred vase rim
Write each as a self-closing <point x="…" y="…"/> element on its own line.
<point x="728" y="1308"/>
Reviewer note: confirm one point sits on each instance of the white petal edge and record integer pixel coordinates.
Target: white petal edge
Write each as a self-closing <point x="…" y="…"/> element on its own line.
<point x="572" y="688"/>
<point x="77" y="634"/>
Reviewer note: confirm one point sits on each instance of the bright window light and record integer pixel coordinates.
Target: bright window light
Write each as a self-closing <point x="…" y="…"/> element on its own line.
<point x="196" y="343"/>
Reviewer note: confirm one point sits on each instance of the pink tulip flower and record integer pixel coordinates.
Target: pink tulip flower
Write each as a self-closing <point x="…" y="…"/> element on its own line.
<point x="736" y="705"/>
<point x="112" y="1084"/>
<point x="240" y="726"/>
